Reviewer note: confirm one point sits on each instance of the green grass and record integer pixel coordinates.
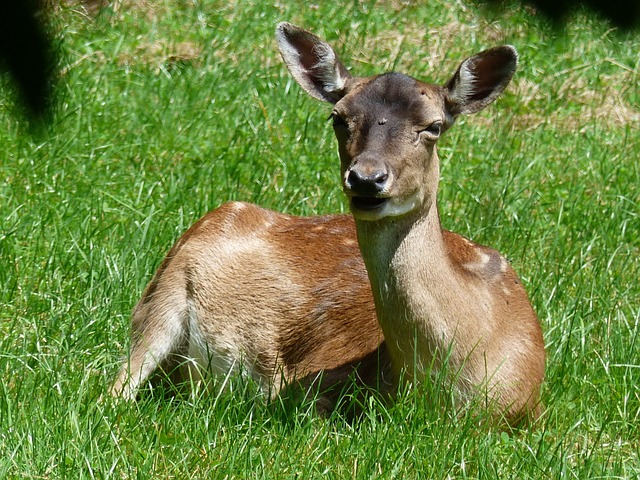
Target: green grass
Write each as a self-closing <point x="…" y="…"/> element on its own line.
<point x="167" y="109"/>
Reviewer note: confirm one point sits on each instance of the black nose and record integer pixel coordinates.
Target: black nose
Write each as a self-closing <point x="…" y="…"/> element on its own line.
<point x="366" y="185"/>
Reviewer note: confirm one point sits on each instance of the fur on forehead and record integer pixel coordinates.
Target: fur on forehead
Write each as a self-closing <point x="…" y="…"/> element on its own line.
<point x="394" y="92"/>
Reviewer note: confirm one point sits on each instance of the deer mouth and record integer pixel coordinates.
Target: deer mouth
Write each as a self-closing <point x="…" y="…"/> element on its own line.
<point x="367" y="204"/>
<point x="375" y="208"/>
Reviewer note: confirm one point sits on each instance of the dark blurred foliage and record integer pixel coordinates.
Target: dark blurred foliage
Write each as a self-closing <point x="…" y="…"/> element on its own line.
<point x="26" y="54"/>
<point x="624" y="14"/>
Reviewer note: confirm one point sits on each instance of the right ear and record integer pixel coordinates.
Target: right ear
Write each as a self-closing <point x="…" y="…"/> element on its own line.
<point x="480" y="79"/>
<point x="312" y="62"/>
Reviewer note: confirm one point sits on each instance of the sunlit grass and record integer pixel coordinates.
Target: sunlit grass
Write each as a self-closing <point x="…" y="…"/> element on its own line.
<point x="168" y="109"/>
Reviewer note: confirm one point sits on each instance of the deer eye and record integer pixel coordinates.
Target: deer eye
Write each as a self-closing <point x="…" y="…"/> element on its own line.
<point x="338" y="121"/>
<point x="434" y="130"/>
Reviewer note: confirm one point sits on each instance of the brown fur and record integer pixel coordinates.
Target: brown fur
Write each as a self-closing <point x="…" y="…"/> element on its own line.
<point x="289" y="294"/>
<point x="441" y="299"/>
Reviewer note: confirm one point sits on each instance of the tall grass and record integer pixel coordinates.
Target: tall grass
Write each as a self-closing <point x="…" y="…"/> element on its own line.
<point x="167" y="109"/>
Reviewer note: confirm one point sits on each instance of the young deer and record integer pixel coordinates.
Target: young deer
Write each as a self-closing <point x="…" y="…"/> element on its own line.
<point x="440" y="298"/>
<point x="286" y="299"/>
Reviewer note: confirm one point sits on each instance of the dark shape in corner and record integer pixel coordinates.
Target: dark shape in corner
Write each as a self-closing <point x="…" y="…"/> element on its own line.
<point x="26" y="54"/>
<point x="623" y="14"/>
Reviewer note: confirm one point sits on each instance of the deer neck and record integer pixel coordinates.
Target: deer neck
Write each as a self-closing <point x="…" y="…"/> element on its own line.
<point x="415" y="288"/>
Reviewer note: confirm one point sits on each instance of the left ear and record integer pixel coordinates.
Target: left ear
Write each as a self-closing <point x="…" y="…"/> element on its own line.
<point x="312" y="62"/>
<point x="480" y="79"/>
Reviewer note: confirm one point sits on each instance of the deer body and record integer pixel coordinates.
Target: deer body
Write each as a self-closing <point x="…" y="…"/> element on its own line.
<point x="288" y="298"/>
<point x="276" y="297"/>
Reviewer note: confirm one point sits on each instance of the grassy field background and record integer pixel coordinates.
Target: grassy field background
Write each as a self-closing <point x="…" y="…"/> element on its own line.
<point x="166" y="109"/>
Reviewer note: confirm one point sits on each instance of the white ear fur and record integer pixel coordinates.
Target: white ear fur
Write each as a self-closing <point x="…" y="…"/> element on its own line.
<point x="327" y="68"/>
<point x="464" y="88"/>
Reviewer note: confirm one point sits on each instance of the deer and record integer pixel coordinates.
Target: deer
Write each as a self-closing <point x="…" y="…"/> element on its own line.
<point x="440" y="298"/>
<point x="380" y="297"/>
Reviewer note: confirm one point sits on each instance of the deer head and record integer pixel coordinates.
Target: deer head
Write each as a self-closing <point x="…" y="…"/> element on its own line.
<point x="387" y="125"/>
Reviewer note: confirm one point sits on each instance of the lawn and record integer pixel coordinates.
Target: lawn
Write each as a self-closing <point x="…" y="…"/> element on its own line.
<point x="166" y="109"/>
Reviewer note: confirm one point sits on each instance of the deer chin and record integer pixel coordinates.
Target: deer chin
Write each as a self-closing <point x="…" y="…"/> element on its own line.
<point x="374" y="208"/>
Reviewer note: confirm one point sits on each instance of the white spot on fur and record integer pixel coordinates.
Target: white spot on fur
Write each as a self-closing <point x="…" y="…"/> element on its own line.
<point x="481" y="262"/>
<point x="238" y="206"/>
<point x="483" y="259"/>
<point x="504" y="265"/>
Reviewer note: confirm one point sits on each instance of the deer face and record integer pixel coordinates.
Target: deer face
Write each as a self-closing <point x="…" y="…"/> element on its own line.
<point x="387" y="127"/>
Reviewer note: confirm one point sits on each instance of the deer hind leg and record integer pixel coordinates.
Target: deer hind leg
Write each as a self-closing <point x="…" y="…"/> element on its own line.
<point x="159" y="336"/>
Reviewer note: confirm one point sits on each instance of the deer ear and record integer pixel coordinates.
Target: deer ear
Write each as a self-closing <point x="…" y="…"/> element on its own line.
<point x="312" y="62"/>
<point x="480" y="79"/>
